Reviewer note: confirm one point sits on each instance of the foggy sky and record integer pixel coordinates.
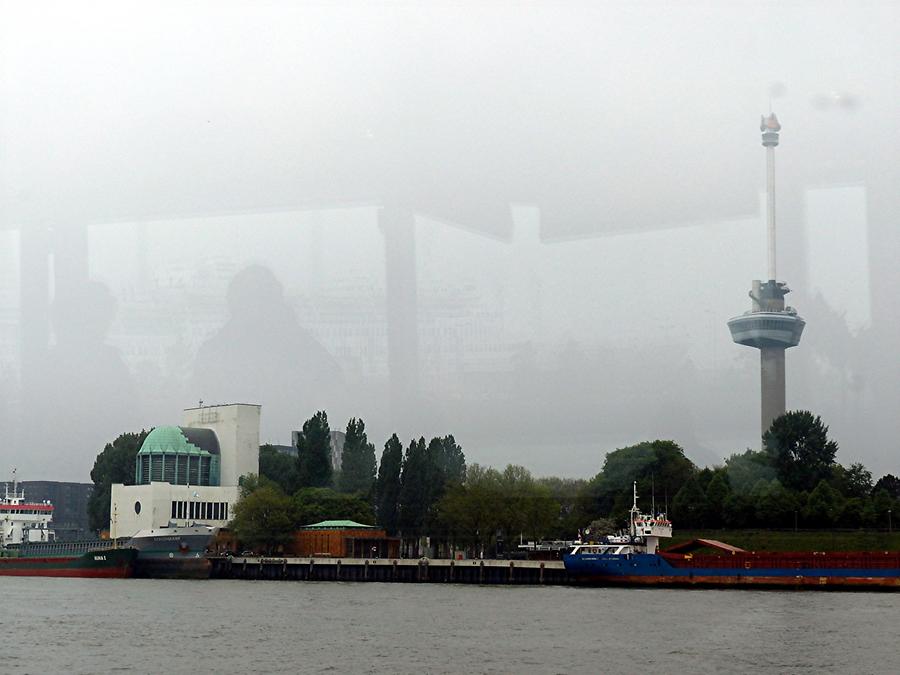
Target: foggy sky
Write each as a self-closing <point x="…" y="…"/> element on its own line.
<point x="586" y="180"/>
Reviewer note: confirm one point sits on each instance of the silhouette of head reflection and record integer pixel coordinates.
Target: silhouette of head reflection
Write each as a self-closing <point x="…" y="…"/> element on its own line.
<point x="83" y="387"/>
<point x="263" y="355"/>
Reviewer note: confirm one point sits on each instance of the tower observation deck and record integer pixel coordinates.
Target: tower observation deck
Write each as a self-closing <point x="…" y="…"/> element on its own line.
<point x="770" y="325"/>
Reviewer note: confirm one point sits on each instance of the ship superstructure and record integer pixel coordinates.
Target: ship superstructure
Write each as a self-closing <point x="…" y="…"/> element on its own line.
<point x="22" y="521"/>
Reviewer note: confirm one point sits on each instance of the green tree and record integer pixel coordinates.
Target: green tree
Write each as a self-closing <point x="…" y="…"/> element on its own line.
<point x="115" y="464"/>
<point x="659" y="467"/>
<point x="314" y="452"/>
<point x="739" y="510"/>
<point x="540" y="512"/>
<point x="515" y="488"/>
<point x="427" y="470"/>
<point x="357" y="460"/>
<point x="824" y="505"/>
<point x="797" y="444"/>
<point x="881" y="504"/>
<point x="470" y="511"/>
<point x="857" y="512"/>
<point x="689" y="508"/>
<point x="279" y="468"/>
<point x="387" y="486"/>
<point x="890" y="484"/>
<point x="775" y="506"/>
<point x="452" y="460"/>
<point x="313" y="505"/>
<point x="252" y="482"/>
<point x="717" y="492"/>
<point x="746" y="468"/>
<point x="565" y="492"/>
<point x="852" y="481"/>
<point x="417" y="488"/>
<point x="264" y="518"/>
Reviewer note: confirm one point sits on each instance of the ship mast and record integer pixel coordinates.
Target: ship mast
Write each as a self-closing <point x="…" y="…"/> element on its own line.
<point x="634" y="510"/>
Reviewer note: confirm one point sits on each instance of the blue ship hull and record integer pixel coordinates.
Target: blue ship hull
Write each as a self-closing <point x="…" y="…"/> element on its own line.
<point x="814" y="570"/>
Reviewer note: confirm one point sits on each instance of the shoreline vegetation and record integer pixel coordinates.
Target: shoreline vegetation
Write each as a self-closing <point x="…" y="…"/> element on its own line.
<point x="791" y="495"/>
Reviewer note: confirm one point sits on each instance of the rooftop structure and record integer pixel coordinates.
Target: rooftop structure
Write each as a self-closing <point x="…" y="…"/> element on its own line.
<point x="337" y="525"/>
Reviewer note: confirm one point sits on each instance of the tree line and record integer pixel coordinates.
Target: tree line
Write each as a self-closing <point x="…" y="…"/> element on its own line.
<point x="427" y="490"/>
<point x="794" y="481"/>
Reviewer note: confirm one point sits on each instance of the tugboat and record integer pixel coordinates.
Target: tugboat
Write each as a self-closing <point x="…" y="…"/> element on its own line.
<point x="27" y="546"/>
<point x="633" y="559"/>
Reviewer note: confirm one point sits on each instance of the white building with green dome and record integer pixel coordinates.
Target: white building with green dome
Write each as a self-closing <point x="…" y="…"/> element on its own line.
<point x="189" y="474"/>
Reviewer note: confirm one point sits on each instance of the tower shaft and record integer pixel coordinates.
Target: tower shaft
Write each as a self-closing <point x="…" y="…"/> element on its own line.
<point x="772" y="386"/>
<point x="770" y="208"/>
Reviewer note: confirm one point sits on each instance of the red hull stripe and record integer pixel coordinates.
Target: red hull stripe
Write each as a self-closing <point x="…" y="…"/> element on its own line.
<point x="83" y="572"/>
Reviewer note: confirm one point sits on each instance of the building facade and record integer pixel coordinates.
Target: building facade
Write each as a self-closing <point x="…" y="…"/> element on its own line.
<point x="189" y="474"/>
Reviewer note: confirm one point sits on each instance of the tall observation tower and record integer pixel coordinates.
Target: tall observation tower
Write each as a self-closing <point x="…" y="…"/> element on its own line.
<point x="769" y="326"/>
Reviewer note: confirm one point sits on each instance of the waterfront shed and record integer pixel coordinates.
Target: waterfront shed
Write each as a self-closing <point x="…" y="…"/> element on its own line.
<point x="344" y="539"/>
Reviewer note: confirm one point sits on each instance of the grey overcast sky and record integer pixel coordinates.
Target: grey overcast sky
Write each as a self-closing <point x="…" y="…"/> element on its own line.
<point x="191" y="203"/>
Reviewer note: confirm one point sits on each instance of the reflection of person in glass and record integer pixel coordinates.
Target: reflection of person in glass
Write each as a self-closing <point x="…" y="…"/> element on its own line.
<point x="83" y="388"/>
<point x="263" y="355"/>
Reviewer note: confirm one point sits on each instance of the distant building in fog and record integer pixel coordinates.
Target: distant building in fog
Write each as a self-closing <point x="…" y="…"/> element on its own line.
<point x="70" y="501"/>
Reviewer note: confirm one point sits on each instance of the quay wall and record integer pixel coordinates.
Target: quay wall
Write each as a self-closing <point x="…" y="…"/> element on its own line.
<point x="396" y="570"/>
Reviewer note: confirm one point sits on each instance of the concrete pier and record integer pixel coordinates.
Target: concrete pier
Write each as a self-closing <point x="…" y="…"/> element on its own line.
<point x="399" y="570"/>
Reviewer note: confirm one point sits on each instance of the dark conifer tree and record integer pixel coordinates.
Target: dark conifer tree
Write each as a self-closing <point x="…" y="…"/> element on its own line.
<point x="314" y="452"/>
<point x="387" y="487"/>
<point x="416" y="474"/>
<point x="453" y="460"/>
<point x="357" y="460"/>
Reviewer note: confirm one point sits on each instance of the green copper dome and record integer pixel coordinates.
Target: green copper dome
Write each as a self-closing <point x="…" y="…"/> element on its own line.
<point x="178" y="455"/>
<point x="182" y="440"/>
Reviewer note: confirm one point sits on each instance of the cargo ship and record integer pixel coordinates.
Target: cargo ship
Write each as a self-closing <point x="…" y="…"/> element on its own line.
<point x="27" y="546"/>
<point x="633" y="559"/>
<point x="173" y="552"/>
<point x="100" y="563"/>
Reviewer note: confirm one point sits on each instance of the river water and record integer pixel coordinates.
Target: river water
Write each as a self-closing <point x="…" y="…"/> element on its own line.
<point x="155" y="626"/>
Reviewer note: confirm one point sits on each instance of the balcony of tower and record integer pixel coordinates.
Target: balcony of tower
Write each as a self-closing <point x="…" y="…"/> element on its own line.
<point x="769" y="323"/>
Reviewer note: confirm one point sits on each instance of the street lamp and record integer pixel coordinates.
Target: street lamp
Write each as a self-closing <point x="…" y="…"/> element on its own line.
<point x="890" y="527"/>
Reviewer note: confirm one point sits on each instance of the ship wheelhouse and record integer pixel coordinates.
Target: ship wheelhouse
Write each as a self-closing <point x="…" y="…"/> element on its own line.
<point x="23" y="522"/>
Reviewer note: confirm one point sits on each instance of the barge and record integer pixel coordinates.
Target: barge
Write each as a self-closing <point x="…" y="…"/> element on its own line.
<point x="633" y="559"/>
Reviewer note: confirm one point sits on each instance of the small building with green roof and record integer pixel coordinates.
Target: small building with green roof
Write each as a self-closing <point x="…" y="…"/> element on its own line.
<point x="343" y="539"/>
